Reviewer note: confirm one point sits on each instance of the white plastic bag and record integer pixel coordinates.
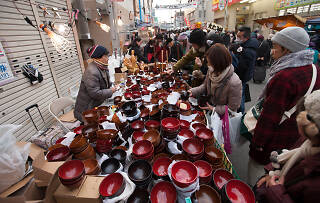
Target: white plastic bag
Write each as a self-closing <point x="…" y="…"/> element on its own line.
<point x="216" y="127"/>
<point x="234" y="120"/>
<point x="12" y="158"/>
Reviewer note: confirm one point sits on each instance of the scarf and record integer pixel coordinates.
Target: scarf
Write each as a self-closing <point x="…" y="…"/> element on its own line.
<point x="289" y="158"/>
<point x="216" y="79"/>
<point x="292" y="60"/>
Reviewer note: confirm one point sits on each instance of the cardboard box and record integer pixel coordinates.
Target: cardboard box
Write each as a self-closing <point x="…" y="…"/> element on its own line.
<point x="119" y="76"/>
<point x="28" y="192"/>
<point x="87" y="192"/>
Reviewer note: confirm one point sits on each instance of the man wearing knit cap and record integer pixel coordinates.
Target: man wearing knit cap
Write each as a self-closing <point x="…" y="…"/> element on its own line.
<point x="290" y="79"/>
<point x="199" y="47"/>
<point x="95" y="85"/>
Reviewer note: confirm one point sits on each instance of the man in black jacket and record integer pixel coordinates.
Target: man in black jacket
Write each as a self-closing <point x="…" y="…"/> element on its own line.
<point x="246" y="54"/>
<point x="175" y="50"/>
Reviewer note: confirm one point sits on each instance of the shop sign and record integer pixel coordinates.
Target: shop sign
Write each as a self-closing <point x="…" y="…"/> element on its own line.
<point x="6" y="74"/>
<point x="300" y="10"/>
<point x="218" y="4"/>
<point x="284" y="4"/>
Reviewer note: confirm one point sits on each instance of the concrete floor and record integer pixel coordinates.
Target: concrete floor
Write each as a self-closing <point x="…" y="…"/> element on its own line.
<point x="239" y="157"/>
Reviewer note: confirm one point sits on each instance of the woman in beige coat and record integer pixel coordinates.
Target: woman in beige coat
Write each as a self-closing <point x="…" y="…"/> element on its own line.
<point x="222" y="85"/>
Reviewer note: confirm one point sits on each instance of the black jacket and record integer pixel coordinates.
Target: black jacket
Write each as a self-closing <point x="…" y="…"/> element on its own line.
<point x="138" y="53"/>
<point x="149" y="50"/>
<point x="176" y="52"/>
<point x="247" y="59"/>
<point x="263" y="51"/>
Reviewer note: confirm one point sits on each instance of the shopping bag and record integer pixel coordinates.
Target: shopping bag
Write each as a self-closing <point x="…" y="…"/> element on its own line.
<point x="216" y="127"/>
<point x="235" y="120"/>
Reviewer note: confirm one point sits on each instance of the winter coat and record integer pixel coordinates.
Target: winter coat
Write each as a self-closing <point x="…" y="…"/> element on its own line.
<point x="282" y="93"/>
<point x="138" y="53"/>
<point x="263" y="51"/>
<point x="190" y="57"/>
<point x="176" y="52"/>
<point x="247" y="59"/>
<point x="228" y="92"/>
<point x="94" y="90"/>
<point x="149" y="53"/>
<point x="302" y="184"/>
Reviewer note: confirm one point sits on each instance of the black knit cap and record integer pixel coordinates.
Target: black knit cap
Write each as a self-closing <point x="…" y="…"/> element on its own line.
<point x="97" y="51"/>
<point x="197" y="36"/>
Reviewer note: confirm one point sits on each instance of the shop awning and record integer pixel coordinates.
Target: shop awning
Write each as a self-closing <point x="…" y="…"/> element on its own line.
<point x="281" y="22"/>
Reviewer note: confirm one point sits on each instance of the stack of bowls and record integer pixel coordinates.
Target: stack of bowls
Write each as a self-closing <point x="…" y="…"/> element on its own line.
<point x="163" y="192"/>
<point x="91" y="167"/>
<point x="197" y="126"/>
<point x="184" y="124"/>
<point x="160" y="168"/>
<point x="139" y="195"/>
<point x="206" y="194"/>
<point x="90" y="117"/>
<point x="152" y="125"/>
<point x="137" y="125"/>
<point x="220" y="178"/>
<point x="105" y="140"/>
<point x="110" y="165"/>
<point x="193" y="148"/>
<point x="170" y="127"/>
<point x="170" y="110"/>
<point x="58" y="154"/>
<point x="205" y="135"/>
<point x="145" y="114"/>
<point x="185" y="108"/>
<point x="140" y="173"/>
<point x="103" y="111"/>
<point x="112" y="186"/>
<point x="237" y="191"/>
<point x="119" y="154"/>
<point x="129" y="109"/>
<point x="82" y="149"/>
<point x="205" y="171"/>
<point x="184" y="174"/>
<point x="143" y="149"/>
<point x="137" y="136"/>
<point x="71" y="173"/>
<point x="214" y="156"/>
<point x="154" y="137"/>
<point x="89" y="131"/>
<point x="186" y="133"/>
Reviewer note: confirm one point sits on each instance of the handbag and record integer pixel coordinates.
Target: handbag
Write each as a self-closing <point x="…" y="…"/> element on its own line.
<point x="250" y="118"/>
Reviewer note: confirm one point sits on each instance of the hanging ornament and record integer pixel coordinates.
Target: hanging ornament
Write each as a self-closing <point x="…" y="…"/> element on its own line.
<point x="104" y="27"/>
<point x="60" y="43"/>
<point x="60" y="28"/>
<point x="120" y="22"/>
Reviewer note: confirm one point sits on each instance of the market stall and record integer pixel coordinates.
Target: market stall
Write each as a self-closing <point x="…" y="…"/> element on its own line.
<point x="149" y="142"/>
<point x="280" y="22"/>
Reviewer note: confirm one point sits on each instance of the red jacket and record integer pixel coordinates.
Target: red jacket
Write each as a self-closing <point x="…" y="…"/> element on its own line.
<point x="305" y="190"/>
<point x="283" y="92"/>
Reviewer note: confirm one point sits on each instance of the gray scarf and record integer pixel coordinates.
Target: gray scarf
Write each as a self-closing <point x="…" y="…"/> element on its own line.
<point x="292" y="60"/>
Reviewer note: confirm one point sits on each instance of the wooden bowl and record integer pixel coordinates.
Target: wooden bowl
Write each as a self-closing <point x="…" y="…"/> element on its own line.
<point x="78" y="144"/>
<point x="87" y="153"/>
<point x="91" y="166"/>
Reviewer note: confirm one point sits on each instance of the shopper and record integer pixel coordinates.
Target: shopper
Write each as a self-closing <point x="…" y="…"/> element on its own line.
<point x="183" y="40"/>
<point x="149" y="51"/>
<point x="199" y="47"/>
<point x="290" y="78"/>
<point x="263" y="51"/>
<point x="135" y="46"/>
<point x="174" y="49"/>
<point x="95" y="85"/>
<point x="221" y="83"/>
<point x="295" y="175"/>
<point x="246" y="55"/>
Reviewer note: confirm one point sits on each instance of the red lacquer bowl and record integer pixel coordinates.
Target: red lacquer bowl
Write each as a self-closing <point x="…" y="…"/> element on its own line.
<point x="204" y="133"/>
<point x="160" y="166"/>
<point x="71" y="170"/>
<point x="163" y="192"/>
<point x="238" y="191"/>
<point x="221" y="177"/>
<point x="58" y="154"/>
<point x="184" y="124"/>
<point x="186" y="133"/>
<point x="112" y="185"/>
<point x="170" y="124"/>
<point x="184" y="173"/>
<point x="193" y="146"/>
<point x="142" y="148"/>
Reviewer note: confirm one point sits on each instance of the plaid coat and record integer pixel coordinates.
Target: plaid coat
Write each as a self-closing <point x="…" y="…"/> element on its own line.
<point x="283" y="92"/>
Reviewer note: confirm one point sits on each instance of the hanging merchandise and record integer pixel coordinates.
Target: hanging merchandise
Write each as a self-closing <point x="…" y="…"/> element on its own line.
<point x="104" y="27"/>
<point x="60" y="43"/>
<point x="6" y="74"/>
<point x="32" y="73"/>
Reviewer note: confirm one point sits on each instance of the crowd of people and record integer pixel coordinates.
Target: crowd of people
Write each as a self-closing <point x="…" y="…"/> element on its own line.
<point x="225" y="62"/>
